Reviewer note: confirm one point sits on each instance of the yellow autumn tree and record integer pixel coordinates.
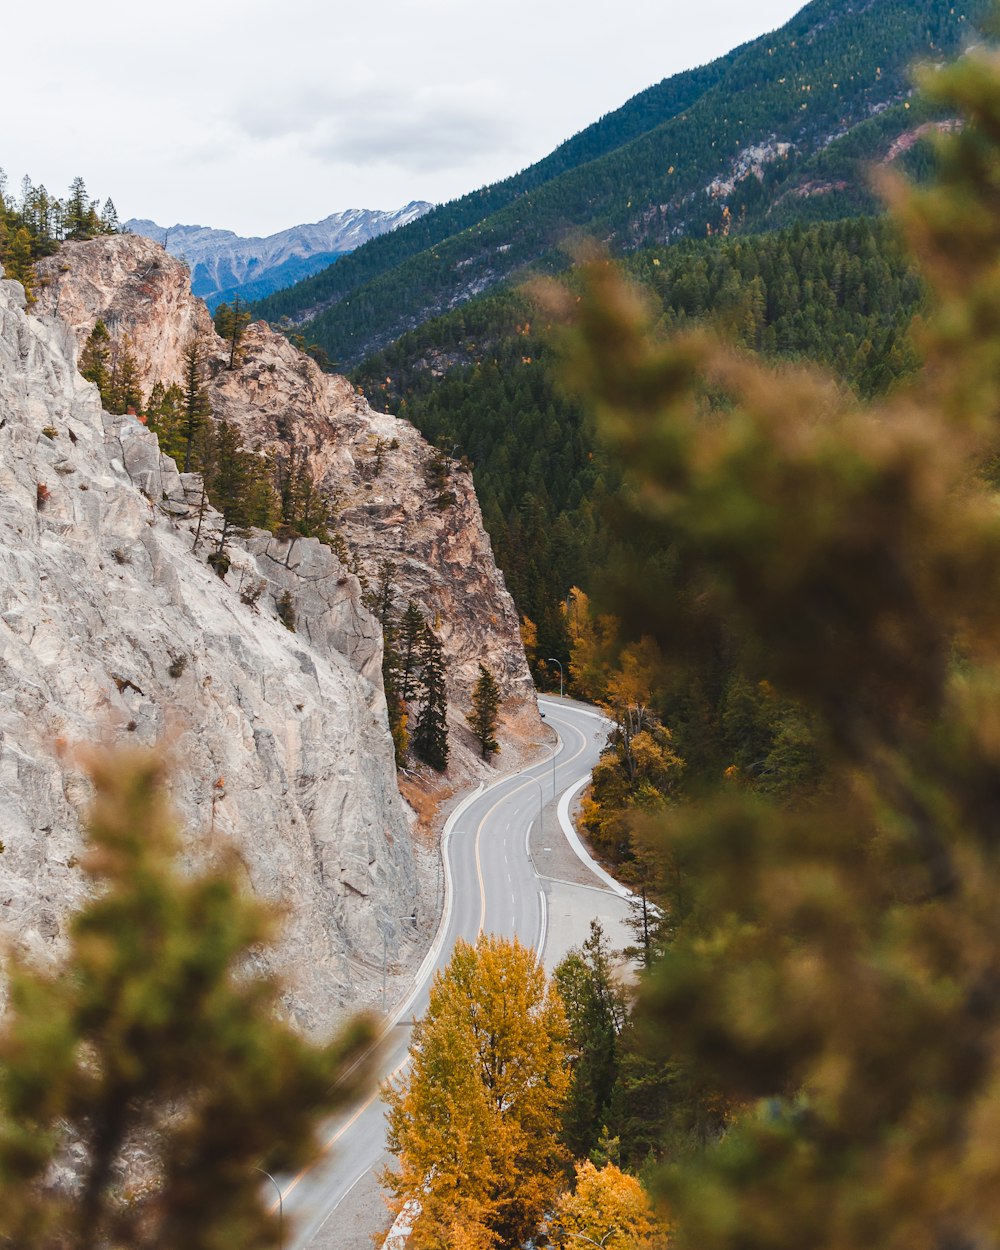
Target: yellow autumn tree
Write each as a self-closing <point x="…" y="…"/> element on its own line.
<point x="592" y="642"/>
<point x="606" y="1208"/>
<point x="474" y="1122"/>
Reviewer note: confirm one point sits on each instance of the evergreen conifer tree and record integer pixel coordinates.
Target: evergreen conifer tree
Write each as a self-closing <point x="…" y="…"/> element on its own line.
<point x="153" y="1034"/>
<point x="230" y="323"/>
<point x="392" y="683"/>
<point x="485" y="709"/>
<point x="123" y="387"/>
<point x="411" y="632"/>
<point x="164" y="409"/>
<point x="196" y="404"/>
<point x="95" y="361"/>
<point x="430" y="735"/>
<point x="238" y="485"/>
<point x="109" y="218"/>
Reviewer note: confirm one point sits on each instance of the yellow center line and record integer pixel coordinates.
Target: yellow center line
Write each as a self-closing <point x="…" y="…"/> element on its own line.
<point x="328" y="1146"/>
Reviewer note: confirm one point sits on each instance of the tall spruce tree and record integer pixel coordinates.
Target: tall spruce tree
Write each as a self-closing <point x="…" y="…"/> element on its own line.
<point x="95" y="361"/>
<point x="196" y="403"/>
<point x="411" y="631"/>
<point x="430" y="735"/>
<point x="238" y="483"/>
<point x="123" y="389"/>
<point x="164" y="410"/>
<point x="595" y="1008"/>
<point x="485" y="712"/>
<point x="231" y="320"/>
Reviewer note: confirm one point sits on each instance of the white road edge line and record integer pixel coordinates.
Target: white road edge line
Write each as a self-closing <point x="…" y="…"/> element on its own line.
<point x="542" y="937"/>
<point x="580" y="711"/>
<point x="577" y="846"/>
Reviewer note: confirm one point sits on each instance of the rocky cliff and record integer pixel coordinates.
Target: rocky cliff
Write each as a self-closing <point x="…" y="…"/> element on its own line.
<point x="112" y="629"/>
<point x="378" y="469"/>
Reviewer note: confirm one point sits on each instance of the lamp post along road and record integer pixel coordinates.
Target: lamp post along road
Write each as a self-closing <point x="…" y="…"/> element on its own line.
<point x="541" y="799"/>
<point x="553" y="660"/>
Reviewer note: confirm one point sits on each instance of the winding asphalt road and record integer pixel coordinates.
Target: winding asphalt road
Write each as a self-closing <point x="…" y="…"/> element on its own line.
<point x="492" y="886"/>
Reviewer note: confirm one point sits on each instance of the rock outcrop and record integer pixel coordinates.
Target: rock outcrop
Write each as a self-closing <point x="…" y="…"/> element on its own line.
<point x="390" y="502"/>
<point x="112" y="629"/>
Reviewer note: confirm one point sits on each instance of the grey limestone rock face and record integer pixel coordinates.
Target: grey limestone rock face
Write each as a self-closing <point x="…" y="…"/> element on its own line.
<point x="113" y="630"/>
<point x="376" y="468"/>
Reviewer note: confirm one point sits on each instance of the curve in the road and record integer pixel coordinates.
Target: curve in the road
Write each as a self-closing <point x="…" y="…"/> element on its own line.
<point x="474" y="863"/>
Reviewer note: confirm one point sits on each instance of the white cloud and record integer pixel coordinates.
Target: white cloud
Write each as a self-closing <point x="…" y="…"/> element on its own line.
<point x="253" y="115"/>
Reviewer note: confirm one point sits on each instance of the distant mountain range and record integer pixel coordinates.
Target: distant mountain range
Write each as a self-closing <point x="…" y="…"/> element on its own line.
<point x="224" y="265"/>
<point x="782" y="129"/>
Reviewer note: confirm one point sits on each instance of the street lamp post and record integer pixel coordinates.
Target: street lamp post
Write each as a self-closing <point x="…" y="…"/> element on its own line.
<point x="541" y="799"/>
<point x="553" y="660"/>
<point x="281" y="1207"/>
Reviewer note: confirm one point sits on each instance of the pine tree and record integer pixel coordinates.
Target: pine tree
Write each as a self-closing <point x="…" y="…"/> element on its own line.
<point x="164" y="409"/>
<point x="109" y="218"/>
<point x="123" y="385"/>
<point x="238" y="485"/>
<point x="78" y="211"/>
<point x="153" y="1036"/>
<point x="196" y="403"/>
<point x="378" y="599"/>
<point x="430" y="735"/>
<point x="485" y="710"/>
<point x="411" y="631"/>
<point x="595" y="1009"/>
<point x="230" y="323"/>
<point x="392" y="684"/>
<point x="95" y="361"/>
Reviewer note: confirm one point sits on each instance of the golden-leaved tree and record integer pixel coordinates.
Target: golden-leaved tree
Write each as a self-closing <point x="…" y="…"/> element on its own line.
<point x="606" y="1208"/>
<point x="152" y="1052"/>
<point x="837" y="970"/>
<point x="474" y="1123"/>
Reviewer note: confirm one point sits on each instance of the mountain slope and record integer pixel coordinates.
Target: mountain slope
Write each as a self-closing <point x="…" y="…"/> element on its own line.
<point x="485" y="376"/>
<point x="765" y="111"/>
<point x="114" y="630"/>
<point x="392" y="498"/>
<point x="223" y="264"/>
<point x="644" y="111"/>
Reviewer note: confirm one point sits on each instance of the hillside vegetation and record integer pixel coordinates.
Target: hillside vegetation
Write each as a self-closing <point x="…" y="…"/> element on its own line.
<point x="481" y="381"/>
<point x="724" y="148"/>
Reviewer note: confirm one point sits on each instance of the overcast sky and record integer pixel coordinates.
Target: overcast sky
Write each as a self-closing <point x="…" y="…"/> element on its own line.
<point x="255" y="115"/>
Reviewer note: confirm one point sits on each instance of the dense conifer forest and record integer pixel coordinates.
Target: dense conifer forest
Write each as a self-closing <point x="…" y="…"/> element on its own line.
<point x="806" y="108"/>
<point x="483" y="381"/>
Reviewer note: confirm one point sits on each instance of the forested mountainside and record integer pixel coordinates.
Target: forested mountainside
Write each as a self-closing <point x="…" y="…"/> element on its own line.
<point x="644" y="111"/>
<point x="485" y="377"/>
<point x="763" y="135"/>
